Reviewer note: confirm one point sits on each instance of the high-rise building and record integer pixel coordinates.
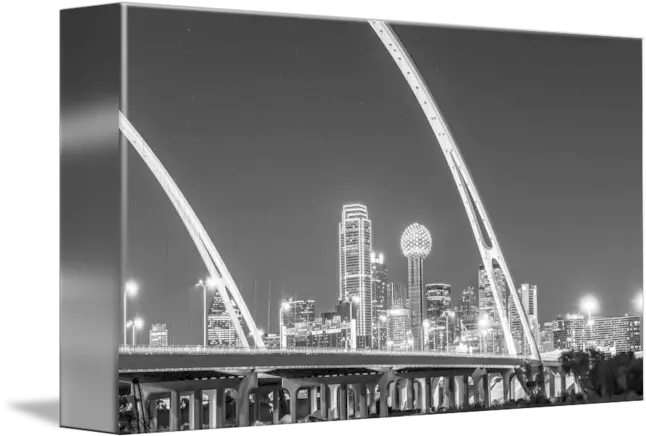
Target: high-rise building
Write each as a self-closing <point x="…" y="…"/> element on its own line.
<point x="416" y="246"/>
<point x="547" y="337"/>
<point x="220" y="329"/>
<point x="355" y="279"/>
<point x="158" y="335"/>
<point x="528" y="295"/>
<point x="438" y="301"/>
<point x="570" y="331"/>
<point x="379" y="299"/>
<point x="495" y="339"/>
<point x="333" y="333"/>
<point x="295" y="311"/>
<point x="617" y="334"/>
<point x="468" y="306"/>
<point x="398" y="331"/>
<point x="397" y="296"/>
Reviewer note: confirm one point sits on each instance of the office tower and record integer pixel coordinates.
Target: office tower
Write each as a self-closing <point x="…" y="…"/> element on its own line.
<point x="397" y="296"/>
<point x="547" y="337"/>
<point x="616" y="334"/>
<point x="438" y="301"/>
<point x="528" y="295"/>
<point x="319" y="333"/>
<point x="570" y="331"/>
<point x="398" y="331"/>
<point x="220" y="329"/>
<point x="355" y="279"/>
<point x="158" y="335"/>
<point x="379" y="299"/>
<point x="416" y="246"/>
<point x="494" y="337"/>
<point x="295" y="311"/>
<point x="468" y="305"/>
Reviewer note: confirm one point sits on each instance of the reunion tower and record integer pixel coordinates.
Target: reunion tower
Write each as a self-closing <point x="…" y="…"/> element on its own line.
<point x="416" y="246"/>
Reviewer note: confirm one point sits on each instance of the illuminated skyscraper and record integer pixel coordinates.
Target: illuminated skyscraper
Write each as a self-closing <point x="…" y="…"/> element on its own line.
<point x="416" y="246"/>
<point x="528" y="296"/>
<point x="355" y="278"/>
<point x="397" y="296"/>
<point x="495" y="340"/>
<point x="220" y="330"/>
<point x="158" y="335"/>
<point x="438" y="300"/>
<point x="468" y="306"/>
<point x="297" y="311"/>
<point x="379" y="299"/>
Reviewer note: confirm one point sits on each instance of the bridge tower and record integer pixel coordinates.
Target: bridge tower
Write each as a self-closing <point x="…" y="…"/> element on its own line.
<point x="490" y="250"/>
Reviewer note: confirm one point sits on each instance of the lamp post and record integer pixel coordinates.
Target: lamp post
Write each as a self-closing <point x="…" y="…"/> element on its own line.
<point x="131" y="289"/>
<point x="356" y="300"/>
<point x="589" y="304"/>
<point x="448" y="313"/>
<point x="209" y="283"/>
<point x="136" y="324"/>
<point x="284" y="306"/>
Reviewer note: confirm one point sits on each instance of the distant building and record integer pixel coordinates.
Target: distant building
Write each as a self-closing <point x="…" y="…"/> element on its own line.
<point x="546" y="343"/>
<point x="528" y="295"/>
<point x="272" y="340"/>
<point x="468" y="307"/>
<point x="220" y="330"/>
<point x="158" y="335"/>
<point x="295" y="311"/>
<point x="437" y="301"/>
<point x="397" y="296"/>
<point x="569" y="331"/>
<point x="319" y="333"/>
<point x="617" y="334"/>
<point x="379" y="299"/>
<point x="355" y="280"/>
<point x="398" y="330"/>
<point x="495" y="340"/>
<point x="328" y="316"/>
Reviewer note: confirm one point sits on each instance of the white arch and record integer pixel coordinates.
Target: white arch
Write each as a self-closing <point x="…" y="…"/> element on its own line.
<point x="212" y="259"/>
<point x="485" y="236"/>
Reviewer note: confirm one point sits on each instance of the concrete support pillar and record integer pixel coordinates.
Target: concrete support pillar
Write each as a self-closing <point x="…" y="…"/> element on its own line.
<point x="343" y="402"/>
<point x="293" y="401"/>
<point x="385" y="392"/>
<point x="465" y="390"/>
<point x="195" y="410"/>
<point x="441" y="397"/>
<point x="217" y="408"/>
<point x="312" y="394"/>
<point x="506" y="385"/>
<point x="334" y="402"/>
<point x="152" y="412"/>
<point x="256" y="406"/>
<point x="372" y="398"/>
<point x="363" y="401"/>
<point x="552" y="385"/>
<point x="563" y="381"/>
<point x="435" y="381"/>
<point x="275" y="405"/>
<point x="323" y="394"/>
<point x="246" y="386"/>
<point x="393" y="395"/>
<point x="451" y="391"/>
<point x="174" y="412"/>
<point x="409" y="394"/>
<point x="485" y="390"/>
<point x="477" y="383"/>
<point x="427" y="394"/>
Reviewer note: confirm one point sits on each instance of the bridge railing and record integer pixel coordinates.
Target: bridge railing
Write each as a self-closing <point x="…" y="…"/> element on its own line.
<point x="199" y="349"/>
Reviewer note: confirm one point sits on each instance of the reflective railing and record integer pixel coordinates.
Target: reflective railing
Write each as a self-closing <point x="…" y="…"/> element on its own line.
<point x="199" y="349"/>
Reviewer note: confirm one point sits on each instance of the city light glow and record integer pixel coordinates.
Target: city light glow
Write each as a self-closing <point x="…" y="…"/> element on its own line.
<point x="589" y="304"/>
<point x="132" y="287"/>
<point x="416" y="241"/>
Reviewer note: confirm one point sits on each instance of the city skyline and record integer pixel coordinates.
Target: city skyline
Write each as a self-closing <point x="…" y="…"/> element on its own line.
<point x="404" y="179"/>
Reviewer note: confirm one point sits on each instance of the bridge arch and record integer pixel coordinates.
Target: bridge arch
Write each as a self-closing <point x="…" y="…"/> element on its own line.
<point x="481" y="226"/>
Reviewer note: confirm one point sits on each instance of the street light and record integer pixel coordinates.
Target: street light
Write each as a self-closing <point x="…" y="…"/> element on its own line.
<point x="283" y="307"/>
<point x="589" y="304"/>
<point x="131" y="288"/>
<point x="135" y="324"/>
<point x="209" y="283"/>
<point x="356" y="300"/>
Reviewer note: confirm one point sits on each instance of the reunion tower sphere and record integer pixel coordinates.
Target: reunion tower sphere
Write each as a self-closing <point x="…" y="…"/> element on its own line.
<point x="416" y="241"/>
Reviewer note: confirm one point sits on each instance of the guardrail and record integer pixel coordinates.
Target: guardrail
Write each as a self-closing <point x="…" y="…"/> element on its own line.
<point x="199" y="349"/>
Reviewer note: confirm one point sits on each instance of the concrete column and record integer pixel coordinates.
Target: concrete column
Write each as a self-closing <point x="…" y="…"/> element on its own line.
<point x="394" y="395"/>
<point x="441" y="396"/>
<point x="323" y="395"/>
<point x="506" y="385"/>
<point x="343" y="402"/>
<point x="174" y="412"/>
<point x="563" y="381"/>
<point x="372" y="398"/>
<point x="312" y="398"/>
<point x="217" y="408"/>
<point x="334" y="402"/>
<point x="465" y="390"/>
<point x="485" y="389"/>
<point x="451" y="391"/>
<point x="248" y="383"/>
<point x="275" y="402"/>
<point x="152" y="412"/>
<point x="195" y="410"/>
<point x="256" y="405"/>
<point x="552" y="385"/>
<point x="477" y="383"/>
<point x="293" y="400"/>
<point x="427" y="394"/>
<point x="363" y="401"/>
<point x="409" y="394"/>
<point x="435" y="381"/>
<point x="385" y="392"/>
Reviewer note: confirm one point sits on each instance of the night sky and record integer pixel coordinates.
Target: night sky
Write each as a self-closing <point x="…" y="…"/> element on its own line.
<point x="270" y="124"/>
